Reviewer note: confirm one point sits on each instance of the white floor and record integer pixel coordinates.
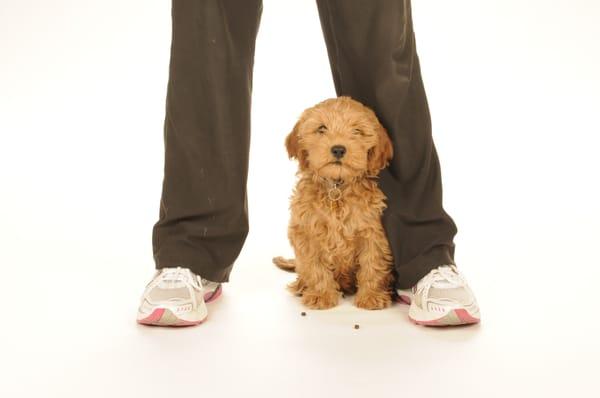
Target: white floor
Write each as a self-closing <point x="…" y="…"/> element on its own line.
<point x="513" y="90"/>
<point x="72" y="333"/>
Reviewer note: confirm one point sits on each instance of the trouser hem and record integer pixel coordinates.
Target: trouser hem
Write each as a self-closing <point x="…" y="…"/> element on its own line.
<point x="410" y="273"/>
<point x="201" y="267"/>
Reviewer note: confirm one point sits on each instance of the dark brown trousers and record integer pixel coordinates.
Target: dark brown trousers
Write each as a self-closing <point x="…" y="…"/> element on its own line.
<point x="203" y="219"/>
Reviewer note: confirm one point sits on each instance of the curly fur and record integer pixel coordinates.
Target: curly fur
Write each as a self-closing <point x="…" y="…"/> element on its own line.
<point x="340" y="245"/>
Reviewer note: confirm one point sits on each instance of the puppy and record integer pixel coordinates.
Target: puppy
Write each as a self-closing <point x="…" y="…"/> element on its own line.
<point x="335" y="226"/>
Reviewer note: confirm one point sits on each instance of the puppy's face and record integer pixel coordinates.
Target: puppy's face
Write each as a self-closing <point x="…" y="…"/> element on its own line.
<point x="339" y="138"/>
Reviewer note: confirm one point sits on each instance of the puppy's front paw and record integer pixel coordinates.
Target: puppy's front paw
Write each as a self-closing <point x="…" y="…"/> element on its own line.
<point x="372" y="300"/>
<point x="320" y="301"/>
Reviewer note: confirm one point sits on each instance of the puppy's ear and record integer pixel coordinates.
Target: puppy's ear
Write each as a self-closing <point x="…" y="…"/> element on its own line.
<point x="381" y="153"/>
<point x="292" y="145"/>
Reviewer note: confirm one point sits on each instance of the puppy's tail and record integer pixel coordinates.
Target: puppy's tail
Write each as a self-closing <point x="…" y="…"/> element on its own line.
<point x="288" y="265"/>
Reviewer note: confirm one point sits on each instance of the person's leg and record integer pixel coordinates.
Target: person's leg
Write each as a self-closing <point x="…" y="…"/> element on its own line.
<point x="203" y="219"/>
<point x="372" y="53"/>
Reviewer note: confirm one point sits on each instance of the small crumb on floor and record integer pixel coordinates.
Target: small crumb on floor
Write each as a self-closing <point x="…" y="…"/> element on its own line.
<point x="357" y="326"/>
<point x="303" y="313"/>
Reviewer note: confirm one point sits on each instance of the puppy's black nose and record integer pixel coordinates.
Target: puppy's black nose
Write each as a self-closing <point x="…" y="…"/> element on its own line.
<point x="338" y="151"/>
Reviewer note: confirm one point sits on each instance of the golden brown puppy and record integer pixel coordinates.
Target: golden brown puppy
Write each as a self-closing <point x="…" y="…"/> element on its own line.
<point x="335" y="226"/>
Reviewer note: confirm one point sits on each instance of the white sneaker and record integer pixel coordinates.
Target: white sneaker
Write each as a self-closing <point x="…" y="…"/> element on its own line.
<point x="441" y="298"/>
<point x="176" y="297"/>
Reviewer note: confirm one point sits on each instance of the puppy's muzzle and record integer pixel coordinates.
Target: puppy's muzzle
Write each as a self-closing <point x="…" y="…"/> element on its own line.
<point x="338" y="151"/>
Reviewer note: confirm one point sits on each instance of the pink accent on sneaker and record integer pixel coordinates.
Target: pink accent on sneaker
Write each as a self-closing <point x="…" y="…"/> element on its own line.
<point x="154" y="317"/>
<point x="462" y="314"/>
<point x="212" y="296"/>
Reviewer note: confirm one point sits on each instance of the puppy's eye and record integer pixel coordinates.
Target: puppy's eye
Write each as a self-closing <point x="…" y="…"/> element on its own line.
<point x="357" y="132"/>
<point x="322" y="129"/>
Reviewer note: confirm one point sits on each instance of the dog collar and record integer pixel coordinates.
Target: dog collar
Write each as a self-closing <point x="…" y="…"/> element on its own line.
<point x="334" y="193"/>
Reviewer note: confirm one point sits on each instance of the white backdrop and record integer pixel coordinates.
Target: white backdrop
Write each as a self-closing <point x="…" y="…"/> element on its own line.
<point x="513" y="89"/>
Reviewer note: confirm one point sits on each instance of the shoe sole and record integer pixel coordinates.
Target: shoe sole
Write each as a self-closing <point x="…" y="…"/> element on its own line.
<point x="166" y="317"/>
<point x="459" y="316"/>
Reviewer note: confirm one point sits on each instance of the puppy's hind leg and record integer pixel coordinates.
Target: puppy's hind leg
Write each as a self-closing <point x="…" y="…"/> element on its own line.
<point x="297" y="287"/>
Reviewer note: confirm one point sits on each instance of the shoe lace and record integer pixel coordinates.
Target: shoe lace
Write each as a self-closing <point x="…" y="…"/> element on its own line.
<point x="174" y="277"/>
<point x="444" y="276"/>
